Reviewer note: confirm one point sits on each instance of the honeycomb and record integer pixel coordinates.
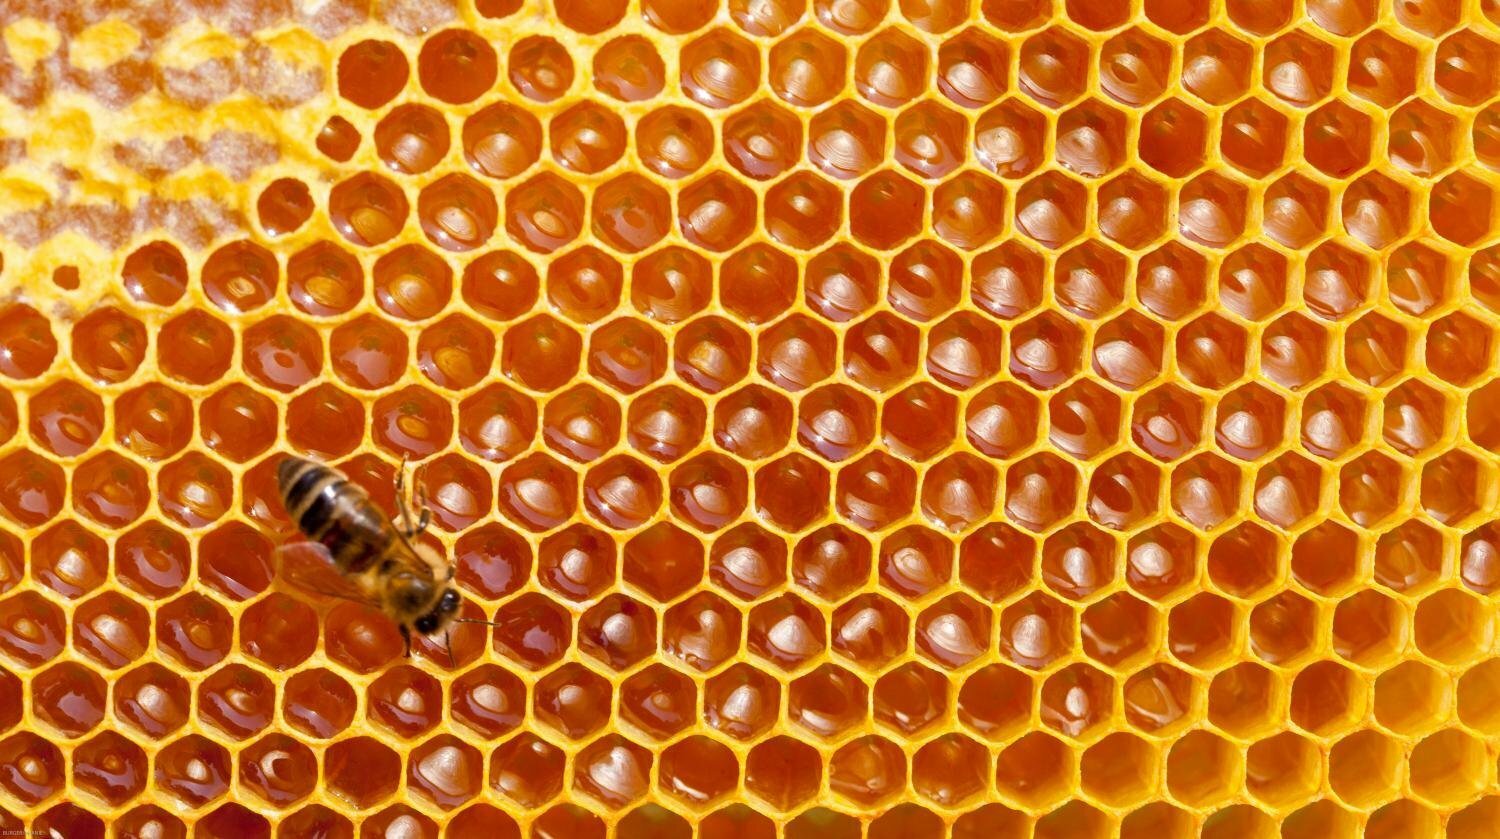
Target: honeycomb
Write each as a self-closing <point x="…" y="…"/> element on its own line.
<point x="997" y="418"/>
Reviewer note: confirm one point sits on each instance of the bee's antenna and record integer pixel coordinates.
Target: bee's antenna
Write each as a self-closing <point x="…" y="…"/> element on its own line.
<point x="475" y="620"/>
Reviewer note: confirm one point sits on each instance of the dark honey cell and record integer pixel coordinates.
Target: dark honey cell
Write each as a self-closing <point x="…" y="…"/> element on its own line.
<point x="155" y="273"/>
<point x="371" y="73"/>
<point x="108" y="345"/>
<point x="27" y="342"/>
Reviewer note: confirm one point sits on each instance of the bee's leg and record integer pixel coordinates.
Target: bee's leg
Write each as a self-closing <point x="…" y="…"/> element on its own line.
<point x="401" y="508"/>
<point x="424" y="518"/>
<point x="452" y="662"/>
<point x="406" y="639"/>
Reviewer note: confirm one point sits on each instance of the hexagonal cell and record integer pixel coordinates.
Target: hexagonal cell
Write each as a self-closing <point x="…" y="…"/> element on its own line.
<point x="835" y="421"/>
<point x="1002" y="420"/>
<point x="885" y="210"/>
<point x="1155" y="820"/>
<point x="1416" y="417"/>
<point x="1201" y="631"/>
<point x="1253" y="281"/>
<point x="1298" y="68"/>
<point x="1244" y="561"/>
<point x="954" y="631"/>
<point x="237" y="700"/>
<point x="803" y="211"/>
<point x="783" y="772"/>
<point x="1051" y="67"/>
<point x="1376" y="210"/>
<point x="1091" y="139"/>
<point x="1133" y="67"/>
<point x="666" y="422"/>
<point x="446" y="771"/>
<point x="1203" y="769"/>
<point x="748" y="561"/>
<point x="1036" y="771"/>
<point x="618" y="631"/>
<point x="1337" y="138"/>
<point x="1283" y="628"/>
<point x="1173" y="138"/>
<point x="918" y="422"/>
<point x="1128" y="351"/>
<point x="1123" y="491"/>
<point x="528" y="770"/>
<point x="890" y="68"/>
<point x="1295" y="211"/>
<point x="716" y="212"/>
<point x="1254" y="138"/>
<point x="1048" y="209"/>
<point x="1167" y="422"/>
<point x="1211" y="351"/>
<point x="111" y="629"/>
<point x="949" y="770"/>
<point x="845" y="141"/>
<point x="1452" y="626"/>
<point x="1158" y="697"/>
<point x="1077" y="700"/>
<point x="930" y="139"/>
<point x="1458" y="348"/>
<point x="973" y="68"/>
<point x="1454" y="487"/>
<point x="832" y="561"/>
<point x="196" y="770"/>
<point x="786" y="631"/>
<point x="1041" y="491"/>
<point x="1369" y="629"/>
<point x="698" y="770"/>
<point x="573" y="700"/>
<point x="1079" y="560"/>
<point x="1121" y="769"/>
<point x="702" y="631"/>
<point x="969" y="210"/>
<point x="1009" y="139"/>
<point x="110" y="767"/>
<point x="742" y="702"/>
<point x="1036" y="630"/>
<point x="1463" y="68"/>
<point x="622" y="493"/>
<point x="532" y="630"/>
<point x="1382" y="69"/>
<point x="828" y="701"/>
<point x="915" y="561"/>
<point x="489" y="700"/>
<point x="1212" y="210"/>
<point x="996" y="701"/>
<point x="959" y="492"/>
<point x="875" y="491"/>
<point x="278" y="769"/>
<point x="1364" y="769"/>
<point x="1327" y="698"/>
<point x="869" y="630"/>
<point x="1283" y="770"/>
<point x="867" y="770"/>
<point x="1117" y="629"/>
<point x="406" y="701"/>
<point x="1375" y="349"/>
<point x="1413" y="697"/>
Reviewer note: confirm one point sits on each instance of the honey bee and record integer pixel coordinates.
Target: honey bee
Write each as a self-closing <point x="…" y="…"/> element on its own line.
<point x="357" y="553"/>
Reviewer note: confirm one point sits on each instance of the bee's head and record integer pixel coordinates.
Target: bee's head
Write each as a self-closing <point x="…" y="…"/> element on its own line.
<point x="443" y="611"/>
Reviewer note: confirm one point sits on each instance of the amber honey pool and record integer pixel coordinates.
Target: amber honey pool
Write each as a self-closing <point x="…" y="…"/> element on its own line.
<point x="896" y="419"/>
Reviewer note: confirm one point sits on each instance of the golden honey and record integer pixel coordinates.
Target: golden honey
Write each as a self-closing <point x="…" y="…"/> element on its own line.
<point x="854" y="418"/>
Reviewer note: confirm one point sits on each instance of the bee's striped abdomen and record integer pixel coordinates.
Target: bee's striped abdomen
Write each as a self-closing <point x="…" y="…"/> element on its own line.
<point x="329" y="509"/>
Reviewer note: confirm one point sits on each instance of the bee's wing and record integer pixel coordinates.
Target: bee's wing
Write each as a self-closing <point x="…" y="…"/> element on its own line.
<point x="310" y="567"/>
